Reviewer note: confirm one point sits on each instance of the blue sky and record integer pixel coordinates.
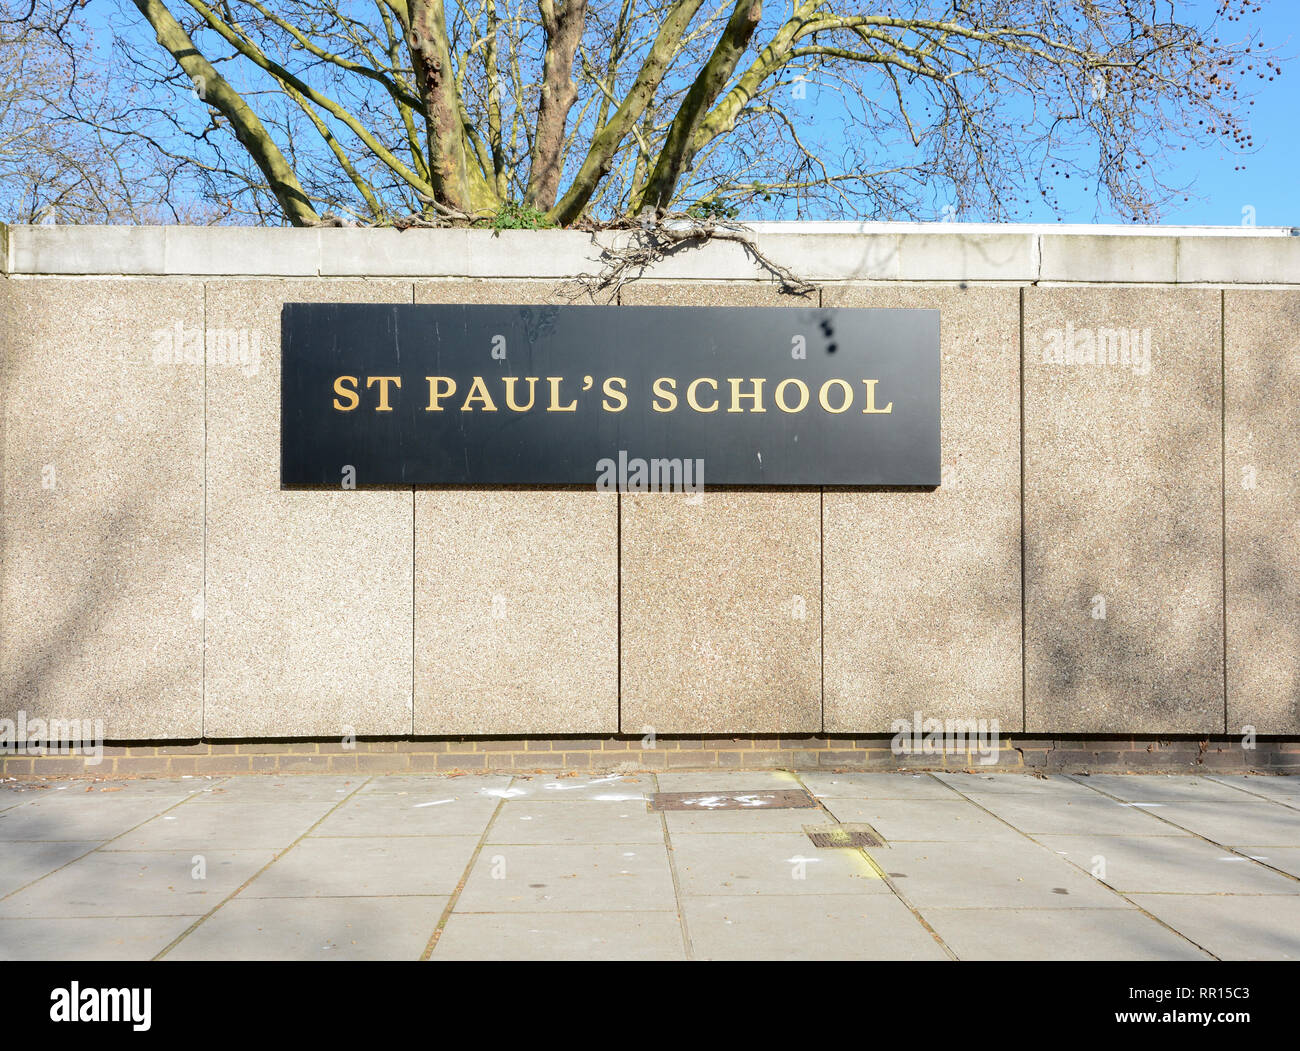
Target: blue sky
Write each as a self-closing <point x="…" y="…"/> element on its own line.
<point x="1217" y="194"/>
<point x="1271" y="182"/>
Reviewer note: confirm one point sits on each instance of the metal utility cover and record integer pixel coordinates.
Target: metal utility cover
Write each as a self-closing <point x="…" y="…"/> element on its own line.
<point x="848" y="835"/>
<point x="783" y="799"/>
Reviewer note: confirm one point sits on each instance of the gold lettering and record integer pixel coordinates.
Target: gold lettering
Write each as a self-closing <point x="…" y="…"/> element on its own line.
<point x="663" y="387"/>
<point x="555" y="382"/>
<point x="780" y="395"/>
<point x="826" y="402"/>
<point x="383" y="382"/>
<point x="871" y="398"/>
<point x="439" y="387"/>
<point x="478" y="392"/>
<point x="510" y="393"/>
<point x="616" y="393"/>
<point x="351" y="395"/>
<point x="756" y="397"/>
<point x="690" y="394"/>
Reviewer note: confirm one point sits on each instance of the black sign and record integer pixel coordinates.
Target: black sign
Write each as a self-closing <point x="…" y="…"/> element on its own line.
<point x="633" y="398"/>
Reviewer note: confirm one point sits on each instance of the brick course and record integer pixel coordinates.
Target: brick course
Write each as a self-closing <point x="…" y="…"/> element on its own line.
<point x="514" y="754"/>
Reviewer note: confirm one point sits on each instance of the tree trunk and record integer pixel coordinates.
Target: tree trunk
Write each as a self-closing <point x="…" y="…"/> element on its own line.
<point x="679" y="149"/>
<point x="563" y="34"/>
<point x="454" y="184"/>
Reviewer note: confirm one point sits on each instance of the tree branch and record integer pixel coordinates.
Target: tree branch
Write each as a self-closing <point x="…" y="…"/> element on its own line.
<point x="679" y="148"/>
<point x="218" y="93"/>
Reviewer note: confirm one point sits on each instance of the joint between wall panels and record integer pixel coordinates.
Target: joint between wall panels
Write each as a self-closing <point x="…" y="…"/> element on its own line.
<point x="1024" y="674"/>
<point x="1223" y="489"/>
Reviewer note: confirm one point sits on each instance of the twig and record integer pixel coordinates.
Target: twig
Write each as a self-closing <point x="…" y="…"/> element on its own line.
<point x="653" y="241"/>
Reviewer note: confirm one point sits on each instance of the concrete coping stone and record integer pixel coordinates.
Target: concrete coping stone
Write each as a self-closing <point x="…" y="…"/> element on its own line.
<point x="819" y="252"/>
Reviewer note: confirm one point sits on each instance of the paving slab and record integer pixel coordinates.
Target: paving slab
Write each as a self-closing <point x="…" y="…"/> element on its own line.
<point x="606" y="788"/>
<point x="725" y="780"/>
<point x="1260" y="927"/>
<point x="1067" y="816"/>
<point x="53" y="820"/>
<point x="807" y="927"/>
<point x="875" y="786"/>
<point x="1167" y="865"/>
<point x="1058" y="934"/>
<point x="919" y="820"/>
<point x="575" y="821"/>
<point x="743" y="822"/>
<point x="440" y="812"/>
<point x="1285" y="858"/>
<point x="1281" y="789"/>
<point x="982" y="785"/>
<point x="569" y="878"/>
<point x="1002" y="874"/>
<point x="145" y="883"/>
<point x="770" y="864"/>
<point x="365" y="928"/>
<point x="170" y="790"/>
<point x="20" y="863"/>
<point x="299" y="788"/>
<point x="1161" y="788"/>
<point x="561" y="936"/>
<point x="230" y="826"/>
<point x="1232" y="822"/>
<point x="465" y="783"/>
<point x="364" y="867"/>
<point x="89" y="938"/>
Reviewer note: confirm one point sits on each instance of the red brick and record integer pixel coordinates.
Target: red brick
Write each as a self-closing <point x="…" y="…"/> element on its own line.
<point x="460" y="761"/>
<point x="538" y="761"/>
<point x="692" y="758"/>
<point x="383" y="763"/>
<point x="301" y="763"/>
<point x="142" y="764"/>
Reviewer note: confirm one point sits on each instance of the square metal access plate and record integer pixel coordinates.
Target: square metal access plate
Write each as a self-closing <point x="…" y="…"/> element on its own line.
<point x="846" y="835"/>
<point x="782" y="799"/>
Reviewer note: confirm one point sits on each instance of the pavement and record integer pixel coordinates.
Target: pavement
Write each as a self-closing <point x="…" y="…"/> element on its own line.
<point x="327" y="867"/>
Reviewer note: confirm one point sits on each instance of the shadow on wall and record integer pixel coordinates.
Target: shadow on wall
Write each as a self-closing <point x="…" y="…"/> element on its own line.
<point x="1124" y="567"/>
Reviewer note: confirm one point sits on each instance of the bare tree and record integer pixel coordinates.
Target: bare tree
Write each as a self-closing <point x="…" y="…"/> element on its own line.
<point x="572" y="111"/>
<point x="59" y="166"/>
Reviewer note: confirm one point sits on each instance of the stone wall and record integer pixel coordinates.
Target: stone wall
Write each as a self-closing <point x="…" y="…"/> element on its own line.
<point x="1113" y="549"/>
